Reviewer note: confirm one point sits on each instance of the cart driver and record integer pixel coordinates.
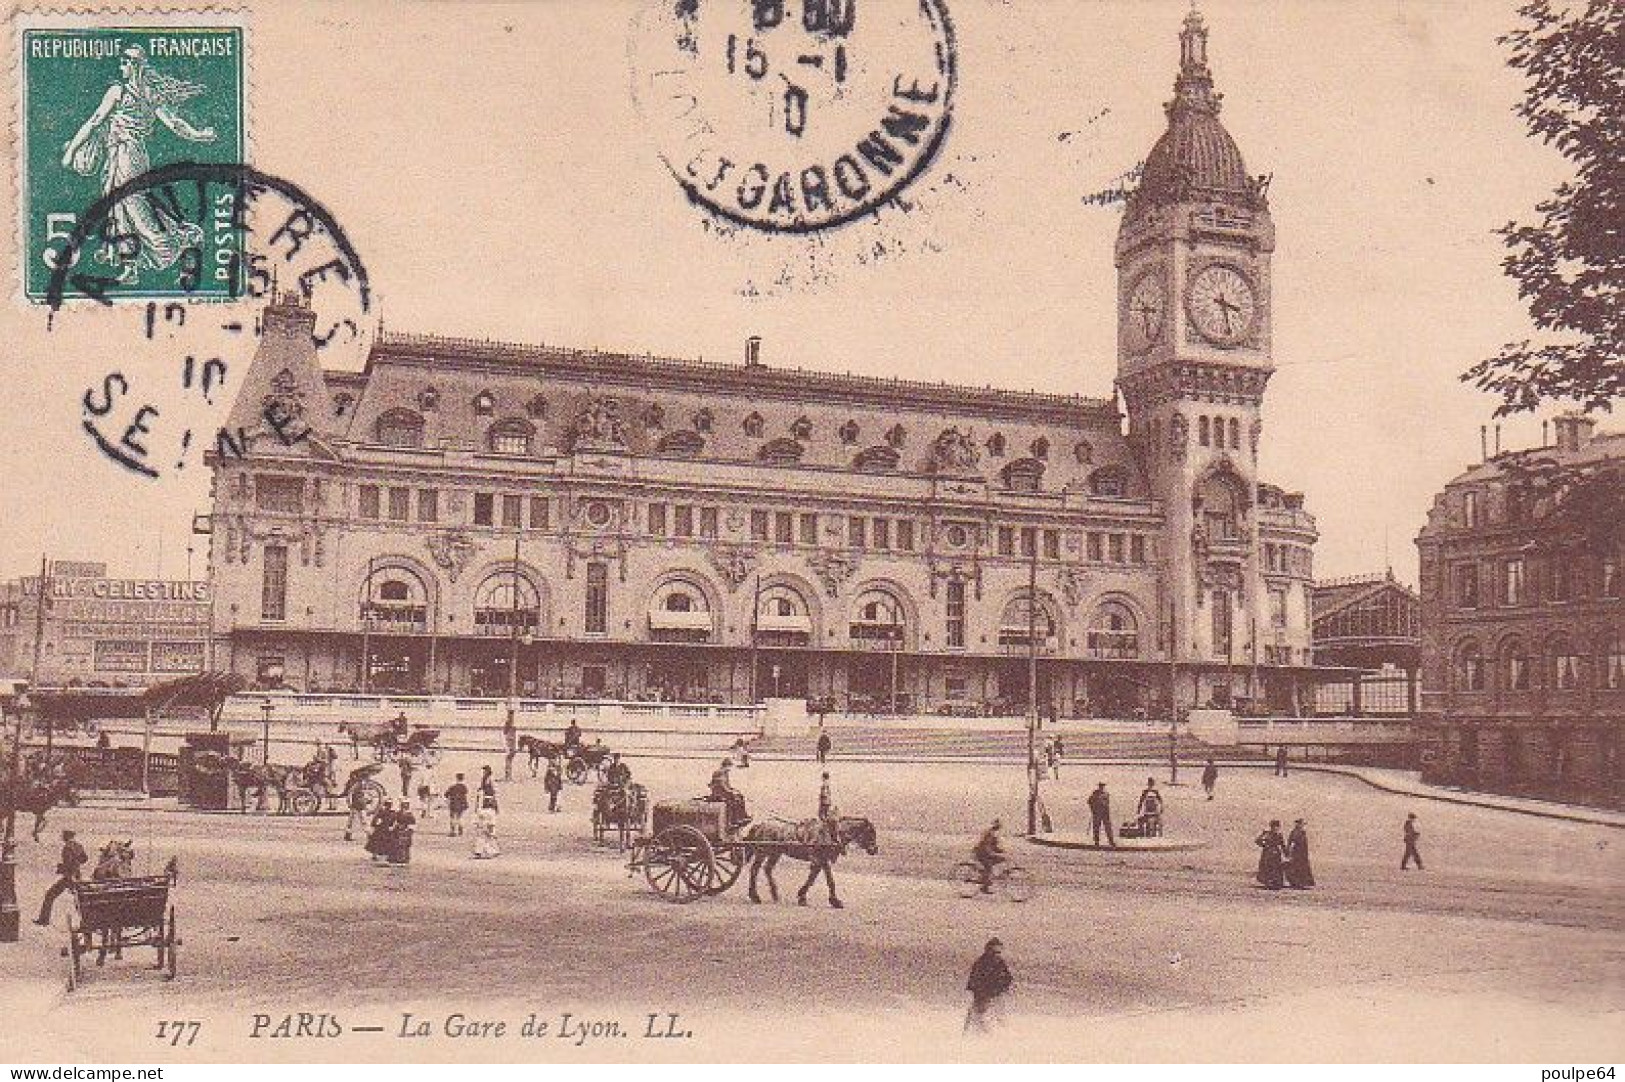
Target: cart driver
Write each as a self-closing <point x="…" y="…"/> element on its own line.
<point x="989" y="853"/>
<point x="722" y="790"/>
<point x="619" y="774"/>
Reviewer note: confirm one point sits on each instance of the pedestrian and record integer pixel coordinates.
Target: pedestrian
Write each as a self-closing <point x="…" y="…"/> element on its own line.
<point x="404" y="761"/>
<point x="383" y="823"/>
<point x="1060" y="749"/>
<point x="1100" y="815"/>
<point x="553" y="783"/>
<point x="485" y="831"/>
<point x="1210" y="777"/>
<point x="1298" y="872"/>
<point x="824" y="801"/>
<point x="1272" y="857"/>
<point x="1412" y="833"/>
<point x="1054" y="753"/>
<point x="488" y="785"/>
<point x="68" y="866"/>
<point x="989" y="980"/>
<point x="823" y="747"/>
<point x="1280" y="761"/>
<point x="1148" y="812"/>
<point x="400" y="836"/>
<point x="456" y="805"/>
<point x="358" y="813"/>
<point x="425" y="792"/>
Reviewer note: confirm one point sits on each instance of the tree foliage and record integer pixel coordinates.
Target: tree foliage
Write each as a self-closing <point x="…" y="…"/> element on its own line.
<point x="1570" y="263"/>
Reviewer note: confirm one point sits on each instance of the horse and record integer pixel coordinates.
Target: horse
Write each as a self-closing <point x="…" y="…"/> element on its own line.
<point x="380" y="737"/>
<point x="539" y="749"/>
<point x="252" y="776"/>
<point x="37" y="797"/>
<point x="819" y="842"/>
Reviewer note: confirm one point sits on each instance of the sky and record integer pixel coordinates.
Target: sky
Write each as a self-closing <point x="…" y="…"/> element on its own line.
<point x="491" y="167"/>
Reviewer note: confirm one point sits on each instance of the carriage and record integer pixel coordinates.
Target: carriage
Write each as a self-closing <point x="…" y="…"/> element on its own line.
<point x="619" y="810"/>
<point x="365" y="778"/>
<point x="592" y="759"/>
<point x="690" y="851"/>
<point x="112" y="914"/>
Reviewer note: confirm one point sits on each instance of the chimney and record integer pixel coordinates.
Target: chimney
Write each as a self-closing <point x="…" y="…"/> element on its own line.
<point x="753" y="351"/>
<point x="1497" y="441"/>
<point x="1574" y="431"/>
<point x="1483" y="443"/>
<point x="1545" y="439"/>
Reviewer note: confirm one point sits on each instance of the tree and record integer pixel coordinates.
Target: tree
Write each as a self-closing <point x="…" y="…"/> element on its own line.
<point x="1570" y="265"/>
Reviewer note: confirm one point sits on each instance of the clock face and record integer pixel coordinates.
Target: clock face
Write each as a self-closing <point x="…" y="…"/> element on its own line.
<point x="1221" y="305"/>
<point x="1147" y="310"/>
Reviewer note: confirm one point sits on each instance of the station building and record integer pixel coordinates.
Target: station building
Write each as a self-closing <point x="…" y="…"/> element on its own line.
<point x="481" y="518"/>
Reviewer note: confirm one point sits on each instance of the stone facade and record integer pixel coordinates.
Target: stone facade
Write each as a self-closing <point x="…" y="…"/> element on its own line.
<point x="1523" y="623"/>
<point x="486" y="518"/>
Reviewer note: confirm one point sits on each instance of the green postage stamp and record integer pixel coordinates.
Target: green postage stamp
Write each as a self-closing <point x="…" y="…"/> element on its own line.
<point x="106" y="98"/>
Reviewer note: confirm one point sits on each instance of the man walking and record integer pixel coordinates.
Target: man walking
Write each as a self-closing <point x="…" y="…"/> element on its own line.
<point x="989" y="979"/>
<point x="824" y="801"/>
<point x="1280" y="761"/>
<point x="68" y="865"/>
<point x="553" y="782"/>
<point x="1210" y="777"/>
<point x="456" y="805"/>
<point x="823" y="747"/>
<point x="1100" y="815"/>
<point x="1412" y="832"/>
<point x="358" y="813"/>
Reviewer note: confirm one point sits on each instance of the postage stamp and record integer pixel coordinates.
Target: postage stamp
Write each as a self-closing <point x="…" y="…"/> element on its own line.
<point x="103" y="98"/>
<point x="795" y="115"/>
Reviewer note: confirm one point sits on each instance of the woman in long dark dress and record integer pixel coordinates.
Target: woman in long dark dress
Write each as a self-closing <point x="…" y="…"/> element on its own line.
<point x="1272" y="859"/>
<point x="400" y="839"/>
<point x="383" y="824"/>
<point x="1298" y="872"/>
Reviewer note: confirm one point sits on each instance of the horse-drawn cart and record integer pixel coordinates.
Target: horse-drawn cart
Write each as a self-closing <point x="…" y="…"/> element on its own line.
<point x="116" y="913"/>
<point x="619" y="810"/>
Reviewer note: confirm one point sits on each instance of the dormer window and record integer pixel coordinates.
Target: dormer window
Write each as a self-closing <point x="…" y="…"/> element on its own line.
<point x="753" y="426"/>
<point x="400" y="428"/>
<point x="1024" y="475"/>
<point x="654" y="417"/>
<point x="703" y="420"/>
<point x="849" y="433"/>
<point x="1083" y="453"/>
<point x="995" y="445"/>
<point x="342" y="404"/>
<point x="896" y="435"/>
<point x="485" y="404"/>
<point x="510" y="437"/>
<point x="428" y="398"/>
<point x="1040" y="448"/>
<point x="801" y="429"/>
<point x="536" y="407"/>
<point x="1108" y="481"/>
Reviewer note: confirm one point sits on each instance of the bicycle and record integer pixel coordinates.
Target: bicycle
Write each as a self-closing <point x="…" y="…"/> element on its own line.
<point x="1012" y="880"/>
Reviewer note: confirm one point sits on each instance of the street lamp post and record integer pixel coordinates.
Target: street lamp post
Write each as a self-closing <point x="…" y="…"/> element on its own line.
<point x="266" y="708"/>
<point x="1032" y="690"/>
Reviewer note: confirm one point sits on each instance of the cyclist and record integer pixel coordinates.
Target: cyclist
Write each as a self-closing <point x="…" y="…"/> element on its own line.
<point x="989" y="853"/>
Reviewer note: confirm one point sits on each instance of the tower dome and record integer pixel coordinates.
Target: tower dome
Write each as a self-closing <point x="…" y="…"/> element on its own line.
<point x="1196" y="157"/>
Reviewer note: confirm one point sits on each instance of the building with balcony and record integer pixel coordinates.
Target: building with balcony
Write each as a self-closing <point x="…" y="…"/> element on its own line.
<point x="485" y="518"/>
<point x="1523" y="619"/>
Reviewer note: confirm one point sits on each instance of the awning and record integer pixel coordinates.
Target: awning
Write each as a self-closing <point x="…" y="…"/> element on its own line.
<point x="669" y="620"/>
<point x="796" y="621"/>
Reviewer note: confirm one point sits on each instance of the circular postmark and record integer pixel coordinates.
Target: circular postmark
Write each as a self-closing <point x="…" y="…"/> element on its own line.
<point x="795" y="115"/>
<point x="257" y="259"/>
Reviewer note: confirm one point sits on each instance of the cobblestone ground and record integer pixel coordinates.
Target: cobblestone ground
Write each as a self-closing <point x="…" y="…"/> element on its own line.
<point x="1508" y="947"/>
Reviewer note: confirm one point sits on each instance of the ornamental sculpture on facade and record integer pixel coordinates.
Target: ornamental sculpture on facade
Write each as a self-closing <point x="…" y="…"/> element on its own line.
<point x="733" y="562"/>
<point x="452" y="550"/>
<point x="953" y="452"/>
<point x="599" y="424"/>
<point x="832" y="569"/>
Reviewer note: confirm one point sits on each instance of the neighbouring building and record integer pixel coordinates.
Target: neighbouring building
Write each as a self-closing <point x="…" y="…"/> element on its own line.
<point x="101" y="631"/>
<point x="1523" y="619"/>
<point x="479" y="518"/>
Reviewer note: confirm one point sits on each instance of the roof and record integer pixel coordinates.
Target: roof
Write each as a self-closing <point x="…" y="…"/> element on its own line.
<point x="1335" y="595"/>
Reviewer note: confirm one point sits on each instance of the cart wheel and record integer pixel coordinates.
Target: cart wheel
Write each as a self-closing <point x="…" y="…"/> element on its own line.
<point x="171" y="948"/>
<point x="678" y="864"/>
<point x="968" y="878"/>
<point x="306" y="802"/>
<point x="1018" y="883"/>
<point x="576" y="772"/>
<point x="71" y="953"/>
<point x="730" y="861"/>
<point x="373" y="793"/>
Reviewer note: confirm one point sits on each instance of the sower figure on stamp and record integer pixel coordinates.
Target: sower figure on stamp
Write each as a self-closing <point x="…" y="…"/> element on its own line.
<point x="989" y="980"/>
<point x="1412" y="833"/>
<point x="68" y="866"/>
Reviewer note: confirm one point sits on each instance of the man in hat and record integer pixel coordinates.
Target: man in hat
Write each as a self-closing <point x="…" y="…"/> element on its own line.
<point x="73" y="859"/>
<point x="1412" y="833"/>
<point x="989" y="979"/>
<point x="1100" y="815"/>
<point x="824" y="801"/>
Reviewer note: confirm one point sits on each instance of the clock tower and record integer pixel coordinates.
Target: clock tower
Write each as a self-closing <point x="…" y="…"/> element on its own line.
<point x="1193" y="264"/>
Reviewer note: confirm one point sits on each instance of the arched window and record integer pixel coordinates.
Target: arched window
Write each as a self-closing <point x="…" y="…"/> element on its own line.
<point x="400" y="428"/>
<point x="1022" y="621"/>
<point x="506" y="604"/>
<point x="1202" y="430"/>
<point x="680" y="612"/>
<point x="1109" y="481"/>
<point x="1113" y="632"/>
<point x="753" y="425"/>
<point x="783" y="617"/>
<point x="781" y="452"/>
<point x="877" y="620"/>
<point x="1219" y="503"/>
<point x="394" y="599"/>
<point x="1235" y="434"/>
<point x="1023" y="475"/>
<point x="877" y="459"/>
<point x="510" y="437"/>
<point x="1469" y="667"/>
